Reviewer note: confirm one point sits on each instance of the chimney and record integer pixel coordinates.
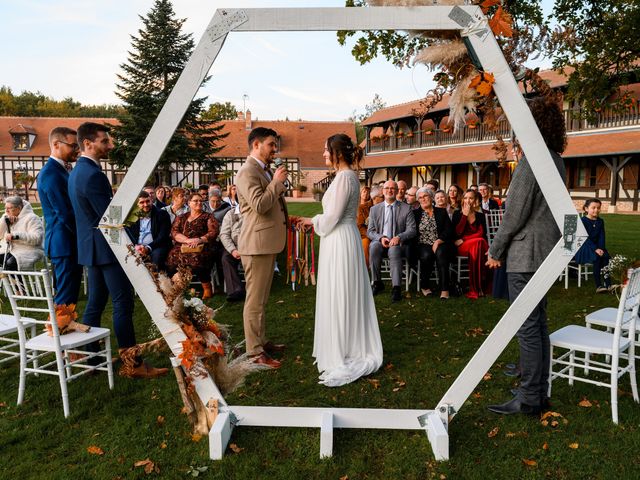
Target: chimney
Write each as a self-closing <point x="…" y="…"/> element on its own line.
<point x="240" y="116"/>
<point x="247" y="119"/>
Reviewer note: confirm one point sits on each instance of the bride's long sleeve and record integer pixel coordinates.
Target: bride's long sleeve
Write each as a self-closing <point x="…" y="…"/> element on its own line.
<point x="334" y="211"/>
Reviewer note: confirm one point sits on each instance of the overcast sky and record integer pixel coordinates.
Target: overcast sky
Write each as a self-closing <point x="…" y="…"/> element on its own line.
<point x="74" y="48"/>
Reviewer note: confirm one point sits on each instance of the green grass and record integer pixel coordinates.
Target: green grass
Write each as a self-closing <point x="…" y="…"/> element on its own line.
<point x="427" y="344"/>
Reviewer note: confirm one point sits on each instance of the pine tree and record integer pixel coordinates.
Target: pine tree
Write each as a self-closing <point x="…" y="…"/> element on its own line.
<point x="158" y="55"/>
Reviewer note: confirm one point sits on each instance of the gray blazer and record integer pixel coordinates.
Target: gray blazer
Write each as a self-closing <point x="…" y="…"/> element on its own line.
<point x="528" y="231"/>
<point x="405" y="222"/>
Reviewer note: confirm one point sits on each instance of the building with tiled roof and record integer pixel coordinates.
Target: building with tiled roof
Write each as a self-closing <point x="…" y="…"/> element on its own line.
<point x="602" y="158"/>
<point x="24" y="148"/>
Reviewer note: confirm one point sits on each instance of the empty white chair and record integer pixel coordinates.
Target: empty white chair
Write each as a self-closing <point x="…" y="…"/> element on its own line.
<point x="9" y="342"/>
<point x="31" y="292"/>
<point x="618" y="344"/>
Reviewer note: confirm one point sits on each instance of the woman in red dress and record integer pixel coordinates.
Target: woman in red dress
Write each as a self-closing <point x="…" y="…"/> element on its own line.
<point x="471" y="233"/>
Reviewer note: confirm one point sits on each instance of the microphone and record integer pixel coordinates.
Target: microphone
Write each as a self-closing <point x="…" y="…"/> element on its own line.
<point x="278" y="162"/>
<point x="8" y="222"/>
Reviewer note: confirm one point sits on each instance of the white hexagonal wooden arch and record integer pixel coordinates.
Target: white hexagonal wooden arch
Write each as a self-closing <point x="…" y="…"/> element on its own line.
<point x="472" y="24"/>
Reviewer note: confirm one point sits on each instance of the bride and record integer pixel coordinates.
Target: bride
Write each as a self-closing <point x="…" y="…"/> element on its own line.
<point x="347" y="341"/>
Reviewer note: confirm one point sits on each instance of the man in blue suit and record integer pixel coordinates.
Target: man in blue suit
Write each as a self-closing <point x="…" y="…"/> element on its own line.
<point x="90" y="194"/>
<point x="60" y="232"/>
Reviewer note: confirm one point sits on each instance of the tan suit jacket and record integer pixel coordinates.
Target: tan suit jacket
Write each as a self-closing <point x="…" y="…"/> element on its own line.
<point x="264" y="212"/>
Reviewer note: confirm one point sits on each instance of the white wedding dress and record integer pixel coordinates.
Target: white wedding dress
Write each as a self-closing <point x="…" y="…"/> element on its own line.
<point x="347" y="341"/>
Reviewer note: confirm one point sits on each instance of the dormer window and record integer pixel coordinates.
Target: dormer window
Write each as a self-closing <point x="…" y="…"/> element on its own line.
<point x="21" y="142"/>
<point x="22" y="137"/>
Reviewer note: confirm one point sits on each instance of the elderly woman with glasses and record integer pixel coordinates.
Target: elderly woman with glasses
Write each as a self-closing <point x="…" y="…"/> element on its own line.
<point x="194" y="234"/>
<point x="434" y="243"/>
<point x="22" y="232"/>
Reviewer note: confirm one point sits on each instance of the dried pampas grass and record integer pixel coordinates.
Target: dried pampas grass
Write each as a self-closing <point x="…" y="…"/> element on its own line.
<point x="444" y="53"/>
<point x="230" y="375"/>
<point x="463" y="100"/>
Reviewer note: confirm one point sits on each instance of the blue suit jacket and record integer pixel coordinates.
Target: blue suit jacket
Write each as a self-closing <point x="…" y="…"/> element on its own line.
<point x="60" y="223"/>
<point x="90" y="194"/>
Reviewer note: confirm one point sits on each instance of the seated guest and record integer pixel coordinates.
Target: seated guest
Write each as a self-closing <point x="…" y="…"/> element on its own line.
<point x="150" y="189"/>
<point x="194" y="234"/>
<point x="402" y="191"/>
<point x="434" y="239"/>
<point x="362" y="220"/>
<point x="455" y="198"/>
<point x="471" y="232"/>
<point x="473" y="187"/>
<point x="232" y="196"/>
<point x="412" y="199"/>
<point x="229" y="233"/>
<point x="593" y="250"/>
<point x="433" y="185"/>
<point x="218" y="208"/>
<point x="391" y="227"/>
<point x="376" y="195"/>
<point x="440" y="200"/>
<point x="23" y="233"/>
<point x="161" y="197"/>
<point x="178" y="204"/>
<point x="203" y="190"/>
<point x="151" y="233"/>
<point x="488" y="202"/>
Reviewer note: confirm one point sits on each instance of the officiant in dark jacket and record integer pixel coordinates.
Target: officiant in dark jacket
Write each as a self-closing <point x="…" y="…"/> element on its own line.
<point x="151" y="233"/>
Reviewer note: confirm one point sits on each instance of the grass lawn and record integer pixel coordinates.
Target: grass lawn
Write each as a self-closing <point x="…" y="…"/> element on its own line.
<point x="426" y="345"/>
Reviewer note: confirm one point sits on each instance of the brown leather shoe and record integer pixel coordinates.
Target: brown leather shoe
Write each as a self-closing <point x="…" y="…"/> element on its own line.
<point x="143" y="370"/>
<point x="264" y="359"/>
<point x="272" y="348"/>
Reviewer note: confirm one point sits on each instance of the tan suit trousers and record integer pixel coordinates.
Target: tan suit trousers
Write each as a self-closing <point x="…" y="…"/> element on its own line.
<point x="258" y="274"/>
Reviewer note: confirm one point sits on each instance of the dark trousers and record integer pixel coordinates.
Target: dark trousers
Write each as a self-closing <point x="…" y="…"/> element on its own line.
<point x="598" y="264"/>
<point x="427" y="258"/>
<point x="159" y="258"/>
<point x="10" y="262"/>
<point x="105" y="280"/>
<point x="533" y="338"/>
<point x="231" y="275"/>
<point x="377" y="252"/>
<point x="68" y="276"/>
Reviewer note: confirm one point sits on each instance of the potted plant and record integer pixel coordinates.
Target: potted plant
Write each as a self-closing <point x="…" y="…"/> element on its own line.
<point x="298" y="190"/>
<point x="428" y="131"/>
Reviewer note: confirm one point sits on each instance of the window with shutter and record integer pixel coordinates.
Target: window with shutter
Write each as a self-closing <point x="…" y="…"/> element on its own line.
<point x="631" y="175"/>
<point x="603" y="175"/>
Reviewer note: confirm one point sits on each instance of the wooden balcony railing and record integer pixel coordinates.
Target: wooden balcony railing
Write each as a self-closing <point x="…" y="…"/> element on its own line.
<point x="479" y="132"/>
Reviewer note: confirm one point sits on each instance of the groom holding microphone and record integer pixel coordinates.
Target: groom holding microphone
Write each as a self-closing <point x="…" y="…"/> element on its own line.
<point x="263" y="236"/>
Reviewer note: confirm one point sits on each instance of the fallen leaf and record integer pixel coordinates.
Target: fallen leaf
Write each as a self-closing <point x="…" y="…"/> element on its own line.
<point x="443" y="476"/>
<point x="477" y="395"/>
<point x="295" y="315"/>
<point x="345" y="477"/>
<point x="487" y="376"/>
<point x="280" y="301"/>
<point x="95" y="450"/>
<point x="298" y="360"/>
<point x="3" y="404"/>
<point x="529" y="463"/>
<point x="388" y="366"/>
<point x="374" y="383"/>
<point x="196" y="437"/>
<point x="545" y="446"/>
<point x="544" y="423"/>
<point x="550" y="414"/>
<point x="574" y="445"/>
<point x="554" y="423"/>
<point x="163" y="445"/>
<point x="160" y="420"/>
<point x="493" y="432"/>
<point x="585" y="403"/>
<point x="235" y="448"/>
<point x="148" y="465"/>
<point x="509" y="434"/>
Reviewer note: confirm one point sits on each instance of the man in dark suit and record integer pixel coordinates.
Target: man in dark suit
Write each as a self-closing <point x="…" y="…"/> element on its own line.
<point x="527" y="234"/>
<point x="60" y="231"/>
<point x="391" y="226"/>
<point x="488" y="202"/>
<point x="90" y="194"/>
<point x="151" y="233"/>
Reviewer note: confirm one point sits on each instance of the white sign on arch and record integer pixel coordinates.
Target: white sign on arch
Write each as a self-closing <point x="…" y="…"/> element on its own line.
<point x="472" y="24"/>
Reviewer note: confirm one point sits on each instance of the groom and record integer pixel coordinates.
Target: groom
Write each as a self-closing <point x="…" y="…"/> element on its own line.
<point x="263" y="236"/>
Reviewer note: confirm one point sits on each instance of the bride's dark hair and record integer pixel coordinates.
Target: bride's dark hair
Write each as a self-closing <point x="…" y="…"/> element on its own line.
<point x="340" y="145"/>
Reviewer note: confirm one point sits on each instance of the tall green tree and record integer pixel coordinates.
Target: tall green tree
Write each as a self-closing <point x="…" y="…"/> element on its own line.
<point x="158" y="55"/>
<point x="221" y="111"/>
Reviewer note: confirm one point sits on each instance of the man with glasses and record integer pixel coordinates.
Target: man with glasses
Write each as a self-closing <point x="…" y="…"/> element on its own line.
<point x="60" y="223"/>
<point x="391" y="226"/>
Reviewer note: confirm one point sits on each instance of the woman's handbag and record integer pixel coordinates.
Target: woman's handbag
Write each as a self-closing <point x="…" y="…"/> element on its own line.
<point x="187" y="249"/>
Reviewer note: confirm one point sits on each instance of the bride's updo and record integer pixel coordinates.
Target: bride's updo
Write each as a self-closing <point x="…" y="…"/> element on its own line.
<point x="340" y="145"/>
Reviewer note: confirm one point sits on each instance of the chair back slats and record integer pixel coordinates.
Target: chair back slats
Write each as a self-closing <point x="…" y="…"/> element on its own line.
<point x="629" y="302"/>
<point x="31" y="292"/>
<point x="494" y="219"/>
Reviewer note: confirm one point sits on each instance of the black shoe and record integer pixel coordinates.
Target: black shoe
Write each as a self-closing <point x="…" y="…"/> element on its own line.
<point x="514" y="406"/>
<point x="378" y="287"/>
<point x="236" y="296"/>
<point x="396" y="294"/>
